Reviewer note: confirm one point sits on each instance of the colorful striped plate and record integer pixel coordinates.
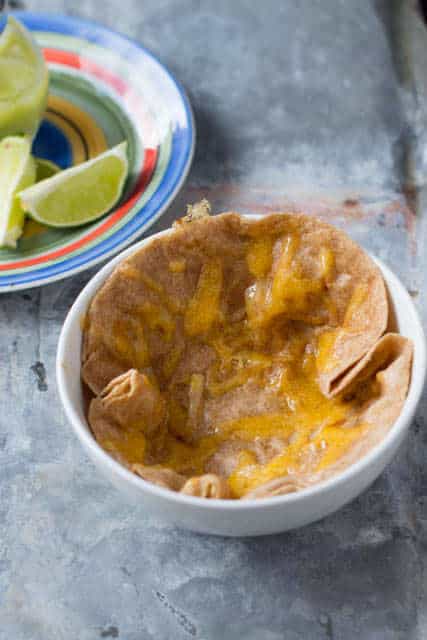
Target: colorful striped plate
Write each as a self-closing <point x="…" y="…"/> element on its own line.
<point x="104" y="88"/>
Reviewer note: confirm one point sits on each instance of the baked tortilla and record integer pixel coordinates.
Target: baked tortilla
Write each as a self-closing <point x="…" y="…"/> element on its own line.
<point x="388" y="367"/>
<point x="199" y="343"/>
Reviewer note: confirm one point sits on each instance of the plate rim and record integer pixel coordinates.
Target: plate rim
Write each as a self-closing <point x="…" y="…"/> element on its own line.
<point x="51" y="16"/>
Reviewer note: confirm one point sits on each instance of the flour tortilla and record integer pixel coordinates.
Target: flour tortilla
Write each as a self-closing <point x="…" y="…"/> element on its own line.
<point x="165" y="478"/>
<point x="129" y="399"/>
<point x="389" y="363"/>
<point x="227" y="235"/>
<point x="164" y="274"/>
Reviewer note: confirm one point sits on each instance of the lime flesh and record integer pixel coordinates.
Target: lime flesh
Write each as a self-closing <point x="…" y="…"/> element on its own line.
<point x="81" y="194"/>
<point x="23" y="81"/>
<point x="45" y="169"/>
<point x="17" y="172"/>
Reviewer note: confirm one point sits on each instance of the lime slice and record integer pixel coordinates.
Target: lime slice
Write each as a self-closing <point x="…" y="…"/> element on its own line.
<point x="45" y="169"/>
<point x="80" y="194"/>
<point x="23" y="81"/>
<point x="17" y="172"/>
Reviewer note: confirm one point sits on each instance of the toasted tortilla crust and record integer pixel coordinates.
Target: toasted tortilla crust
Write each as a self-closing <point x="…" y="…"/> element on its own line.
<point x="165" y="478"/>
<point x="351" y="311"/>
<point x="389" y="362"/>
<point x="207" y="486"/>
<point x="227" y="236"/>
<point x="129" y="400"/>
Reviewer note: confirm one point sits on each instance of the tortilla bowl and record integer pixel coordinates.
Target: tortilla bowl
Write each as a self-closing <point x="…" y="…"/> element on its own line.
<point x="251" y="516"/>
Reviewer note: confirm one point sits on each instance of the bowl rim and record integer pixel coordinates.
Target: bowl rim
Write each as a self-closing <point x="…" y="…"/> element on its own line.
<point x="402" y="424"/>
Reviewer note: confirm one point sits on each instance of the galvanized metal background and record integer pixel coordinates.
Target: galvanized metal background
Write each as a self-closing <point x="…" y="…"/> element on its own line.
<point x="318" y="106"/>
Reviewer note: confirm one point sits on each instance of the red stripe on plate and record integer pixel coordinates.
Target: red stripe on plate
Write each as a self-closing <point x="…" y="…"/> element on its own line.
<point x="150" y="160"/>
<point x="74" y="60"/>
<point x="131" y="99"/>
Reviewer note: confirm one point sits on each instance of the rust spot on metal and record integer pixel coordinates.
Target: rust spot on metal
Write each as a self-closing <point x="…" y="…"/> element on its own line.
<point x="406" y="205"/>
<point x="381" y="210"/>
<point x="257" y="200"/>
<point x="410" y="193"/>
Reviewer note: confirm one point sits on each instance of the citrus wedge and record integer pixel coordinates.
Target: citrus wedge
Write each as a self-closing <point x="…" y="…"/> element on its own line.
<point x="17" y="172"/>
<point x="23" y="81"/>
<point x="45" y="169"/>
<point x="80" y="194"/>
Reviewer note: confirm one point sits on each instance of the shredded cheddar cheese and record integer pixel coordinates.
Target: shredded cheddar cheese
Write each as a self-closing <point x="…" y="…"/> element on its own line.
<point x="203" y="308"/>
<point x="308" y="427"/>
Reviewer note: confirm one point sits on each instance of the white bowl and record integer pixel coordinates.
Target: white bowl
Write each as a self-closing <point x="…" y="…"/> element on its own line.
<point x="237" y="517"/>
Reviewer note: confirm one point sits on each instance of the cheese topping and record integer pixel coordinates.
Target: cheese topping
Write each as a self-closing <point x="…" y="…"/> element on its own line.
<point x="269" y="348"/>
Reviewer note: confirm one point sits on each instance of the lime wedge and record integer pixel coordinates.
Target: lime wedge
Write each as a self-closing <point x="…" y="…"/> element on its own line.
<point x="23" y="81"/>
<point x="80" y="194"/>
<point x="45" y="169"/>
<point x="17" y="172"/>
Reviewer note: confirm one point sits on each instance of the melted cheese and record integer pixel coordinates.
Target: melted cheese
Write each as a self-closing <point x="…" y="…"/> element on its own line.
<point x="172" y="361"/>
<point x="203" y="308"/>
<point x="130" y="446"/>
<point x="288" y="292"/>
<point x="177" y="266"/>
<point x="259" y="256"/>
<point x="157" y="317"/>
<point x="312" y="431"/>
<point x="327" y="264"/>
<point x="130" y="343"/>
<point x="315" y="438"/>
<point x="326" y="359"/>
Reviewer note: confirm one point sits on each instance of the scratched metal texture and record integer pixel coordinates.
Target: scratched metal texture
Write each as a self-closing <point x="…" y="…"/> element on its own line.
<point x="314" y="105"/>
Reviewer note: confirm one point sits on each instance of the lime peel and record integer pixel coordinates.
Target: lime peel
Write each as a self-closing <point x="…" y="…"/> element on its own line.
<point x="24" y="81"/>
<point x="17" y="172"/>
<point x="80" y="194"/>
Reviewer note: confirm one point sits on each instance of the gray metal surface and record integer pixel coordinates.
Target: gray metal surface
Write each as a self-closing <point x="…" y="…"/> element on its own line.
<point x="319" y="105"/>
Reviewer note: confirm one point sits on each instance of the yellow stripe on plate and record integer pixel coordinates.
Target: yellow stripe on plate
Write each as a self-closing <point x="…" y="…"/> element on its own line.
<point x="86" y="138"/>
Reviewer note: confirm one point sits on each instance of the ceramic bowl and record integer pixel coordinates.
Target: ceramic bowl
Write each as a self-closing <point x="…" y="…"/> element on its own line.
<point x="237" y="517"/>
